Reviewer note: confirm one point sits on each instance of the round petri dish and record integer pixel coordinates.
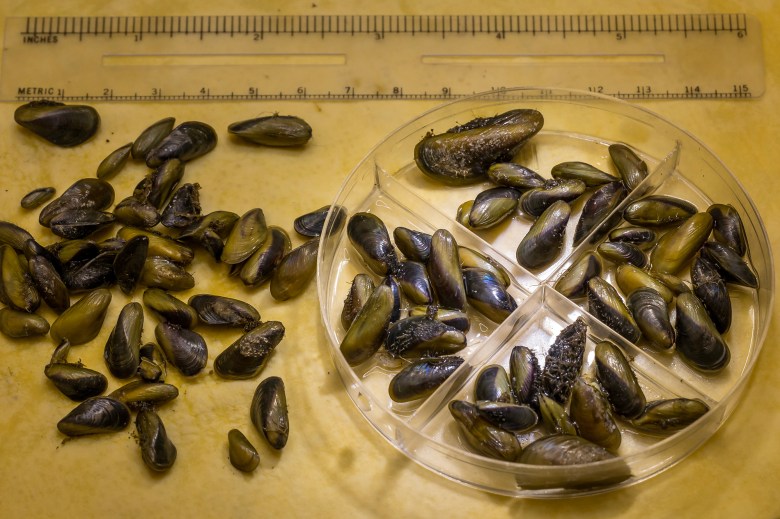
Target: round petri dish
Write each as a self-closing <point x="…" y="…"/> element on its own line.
<point x="579" y="126"/>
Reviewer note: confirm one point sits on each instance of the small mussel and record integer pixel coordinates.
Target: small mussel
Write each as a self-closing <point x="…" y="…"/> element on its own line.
<point x="151" y="137"/>
<point x="423" y="336"/>
<point x="473" y="258"/>
<point x="168" y="308"/>
<point x="295" y="271"/>
<point x="536" y="200"/>
<point x="665" y="417"/>
<point x="621" y="252"/>
<point x="444" y="270"/>
<point x="618" y="380"/>
<point x="183" y="348"/>
<point x="153" y="366"/>
<point x="160" y="245"/>
<point x="140" y="394"/>
<point x="413" y="280"/>
<point x="269" y="412"/>
<point x="492" y="385"/>
<point x="573" y="283"/>
<point x="516" y="418"/>
<point x="82" y="321"/>
<point x="415" y="245"/>
<point x="85" y="193"/>
<point x="129" y="263"/>
<point x="96" y="273"/>
<point x="369" y="328"/>
<point x="157" y="450"/>
<point x="241" y="452"/>
<point x="630" y="278"/>
<point x="137" y="213"/>
<point x="463" y="154"/>
<point x="458" y="319"/>
<point x="632" y="169"/>
<point x="709" y="287"/>
<point x="114" y="162"/>
<point x="421" y="377"/>
<point x="246" y="236"/>
<point x="98" y="414"/>
<point x="486" y="293"/>
<point x="369" y="236"/>
<point x="584" y="172"/>
<point x="160" y="272"/>
<point x="554" y="416"/>
<point x="248" y="355"/>
<point x="727" y="227"/>
<point x="13" y="235"/>
<point x="16" y="324"/>
<point x="260" y="266"/>
<point x="61" y="124"/>
<point x="186" y="142"/>
<point x="493" y="206"/>
<point x="524" y="373"/>
<point x="658" y="210"/>
<point x="651" y="315"/>
<point x="544" y="240"/>
<point x="16" y="288"/>
<point x="597" y="207"/>
<point x="697" y="339"/>
<point x="273" y="130"/>
<point x="642" y="237"/>
<point x="733" y="268"/>
<point x="310" y="224"/>
<point x="563" y="361"/>
<point x="590" y="410"/>
<point x="510" y="174"/>
<point x="482" y="435"/>
<point x="74" y="380"/>
<point x="221" y="310"/>
<point x="183" y="209"/>
<point x="360" y="290"/>
<point x="37" y="197"/>
<point x="121" y="352"/>
<point x="605" y="303"/>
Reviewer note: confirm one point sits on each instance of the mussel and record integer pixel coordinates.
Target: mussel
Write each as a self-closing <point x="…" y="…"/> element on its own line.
<point x="246" y="236"/>
<point x="444" y="270"/>
<point x="273" y="130"/>
<point x="183" y="348"/>
<point x="37" y="197"/>
<point x="151" y="137"/>
<point x="511" y="174"/>
<point x="658" y="211"/>
<point x="590" y="410"/>
<point x="632" y="169"/>
<point x="15" y="323"/>
<point x="183" y="209"/>
<point x="260" y="266"/>
<point x="168" y="308"/>
<point x="121" y="352"/>
<point x="618" y="380"/>
<point x="493" y="206"/>
<point x="222" y="310"/>
<point x="295" y="271"/>
<point x="114" y="162"/>
<point x="157" y="450"/>
<point x="60" y="124"/>
<point x="85" y="193"/>
<point x="369" y="328"/>
<point x="16" y="288"/>
<point x="597" y="207"/>
<point x="727" y="227"/>
<point x="241" y="452"/>
<point x="268" y="412"/>
<point x="369" y="236"/>
<point x="186" y="142"/>
<point x="360" y="290"/>
<point x="524" y="374"/>
<point x="536" y="200"/>
<point x="73" y="379"/>
<point x="697" y="338"/>
<point x="98" y="414"/>
<point x="605" y="303"/>
<point x="573" y="283"/>
<point x="129" y="262"/>
<point x="582" y="171"/>
<point x="709" y="287"/>
<point x="249" y="354"/>
<point x="665" y="417"/>
<point x="652" y="317"/>
<point x="482" y="435"/>
<point x="544" y="240"/>
<point x="733" y="268"/>
<point x="140" y="394"/>
<point x="415" y="245"/>
<point x="421" y="377"/>
<point x="563" y="361"/>
<point x="486" y="293"/>
<point x="82" y="321"/>
<point x="422" y="336"/>
<point x="492" y="385"/>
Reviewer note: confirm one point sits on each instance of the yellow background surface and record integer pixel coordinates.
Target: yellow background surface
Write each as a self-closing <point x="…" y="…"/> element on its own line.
<point x="335" y="465"/>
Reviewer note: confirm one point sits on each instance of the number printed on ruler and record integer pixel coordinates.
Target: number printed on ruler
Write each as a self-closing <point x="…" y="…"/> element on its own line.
<point x="128" y="58"/>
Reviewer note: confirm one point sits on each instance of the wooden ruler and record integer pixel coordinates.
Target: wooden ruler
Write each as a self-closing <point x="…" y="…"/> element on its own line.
<point x="352" y="57"/>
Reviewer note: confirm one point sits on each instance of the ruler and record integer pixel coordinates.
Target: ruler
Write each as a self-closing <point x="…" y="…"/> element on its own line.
<point x="354" y="57"/>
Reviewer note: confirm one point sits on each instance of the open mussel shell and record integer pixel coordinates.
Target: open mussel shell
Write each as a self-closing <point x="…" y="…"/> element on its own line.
<point x="186" y="142"/>
<point x="16" y="324"/>
<point x="733" y="268"/>
<point x="96" y="273"/>
<point x="183" y="348"/>
<point x="582" y="171"/>
<point x="157" y="450"/>
<point x="511" y="174"/>
<point x="709" y="287"/>
<point x="665" y="417"/>
<point x="574" y="282"/>
<point x="535" y="201"/>
<point x="151" y="137"/>
<point x="642" y="237"/>
<point x="160" y="272"/>
<point x="60" y="124"/>
<point x="248" y="355"/>
<point x="16" y="288"/>
<point x="241" y="452"/>
<point x="463" y="154"/>
<point x="606" y="305"/>
<point x="121" y="352"/>
<point x="618" y="380"/>
<point x="563" y="361"/>
<point x="483" y="436"/>
<point x="153" y="366"/>
<point x="492" y="385"/>
<point x="273" y="130"/>
<point x="295" y="271"/>
<point x="140" y="394"/>
<point x="544" y="240"/>
<point x="168" y="308"/>
<point x="268" y="412"/>
<point x="651" y="315"/>
<point x="621" y="252"/>
<point x="129" y="263"/>
<point x="590" y="410"/>
<point x="698" y="340"/>
<point x="183" y="208"/>
<point x="632" y="169"/>
<point x="597" y="207"/>
<point x="492" y="206"/>
<point x="728" y="228"/>
<point x="95" y="415"/>
<point x="82" y="321"/>
<point x="221" y="310"/>
<point x="37" y="197"/>
<point x="414" y="245"/>
<point x="524" y="373"/>
<point x="85" y="193"/>
<point x="423" y="336"/>
<point x="369" y="236"/>
<point x="658" y="211"/>
<point x="259" y="267"/>
<point x="413" y="281"/>
<point x="420" y="378"/>
<point x="444" y="270"/>
<point x="246" y="236"/>
<point x="486" y="293"/>
<point x="369" y="328"/>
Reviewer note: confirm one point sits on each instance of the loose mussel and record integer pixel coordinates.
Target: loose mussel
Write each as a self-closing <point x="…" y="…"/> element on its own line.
<point x="268" y="412"/>
<point x="82" y="321"/>
<point x="183" y="348"/>
<point x="58" y="123"/>
<point x="15" y="323"/>
<point x="295" y="271"/>
<point x="95" y="415"/>
<point x="224" y="311"/>
<point x="241" y="452"/>
<point x="73" y="379"/>
<point x="121" y="352"/>
<point x="157" y="450"/>
<point x="421" y="377"/>
<point x="273" y="130"/>
<point x="249" y="354"/>
<point x="186" y="142"/>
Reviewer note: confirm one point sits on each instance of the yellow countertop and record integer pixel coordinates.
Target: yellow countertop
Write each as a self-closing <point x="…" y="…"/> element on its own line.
<point x="335" y="464"/>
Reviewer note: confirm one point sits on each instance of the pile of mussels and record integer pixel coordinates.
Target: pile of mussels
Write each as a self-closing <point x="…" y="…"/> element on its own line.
<point x="139" y="255"/>
<point x="418" y="311"/>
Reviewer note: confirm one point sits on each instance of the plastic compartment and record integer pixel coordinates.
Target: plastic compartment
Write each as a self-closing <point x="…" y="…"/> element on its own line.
<point x="578" y="126"/>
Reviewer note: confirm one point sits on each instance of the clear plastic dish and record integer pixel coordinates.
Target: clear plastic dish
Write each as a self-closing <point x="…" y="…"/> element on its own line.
<point x="578" y="127"/>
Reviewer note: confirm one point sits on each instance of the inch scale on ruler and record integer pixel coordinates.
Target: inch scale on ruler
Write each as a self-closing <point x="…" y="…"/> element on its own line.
<point x="353" y="57"/>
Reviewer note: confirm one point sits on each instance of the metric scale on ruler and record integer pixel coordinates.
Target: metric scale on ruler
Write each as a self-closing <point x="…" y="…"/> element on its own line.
<point x="131" y="58"/>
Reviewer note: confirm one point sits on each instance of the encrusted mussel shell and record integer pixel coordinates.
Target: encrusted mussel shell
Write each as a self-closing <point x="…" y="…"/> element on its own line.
<point x="16" y="288"/>
<point x="483" y="436"/>
<point x="157" y="450"/>
<point x="665" y="417"/>
<point x="359" y="291"/>
<point x="632" y="169"/>
<point x="98" y="414"/>
<point x="413" y="281"/>
<point x="582" y="171"/>
<point x="369" y="236"/>
<point x="618" y="380"/>
<point x="511" y="174"/>
<point x="544" y="240"/>
<point x="698" y="341"/>
<point x="135" y="212"/>
<point x="590" y="410"/>
<point x="85" y="193"/>
<point x="486" y="293"/>
<point x="260" y="266"/>
<point x="420" y="378"/>
<point x="463" y="154"/>
<point x="37" y="197"/>
<point x="709" y="287"/>
<point x="733" y="268"/>
<point x="189" y="140"/>
<point x="248" y="355"/>
<point x="82" y="321"/>
<point x="574" y="282"/>
<point x="60" y="124"/>
<point x="423" y="336"/>
<point x="728" y="228"/>
<point x="222" y="310"/>
<point x="651" y="315"/>
<point x="597" y="207"/>
<point x="605" y="304"/>
<point x="524" y="374"/>
<point x="273" y="130"/>
<point x="16" y="324"/>
<point x="168" y="308"/>
<point x="658" y="211"/>
<point x="492" y="385"/>
<point x="241" y="452"/>
<point x="295" y="271"/>
<point x="183" y="348"/>
<point x="458" y="319"/>
<point x="563" y="361"/>
<point x="369" y="328"/>
<point x="268" y="412"/>
<point x="444" y="270"/>
<point x="414" y="245"/>
<point x="121" y="352"/>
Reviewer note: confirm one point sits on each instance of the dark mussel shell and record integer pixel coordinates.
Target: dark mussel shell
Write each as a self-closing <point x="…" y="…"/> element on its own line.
<point x="241" y="452"/>
<point x="444" y="270"/>
<point x="413" y="281"/>
<point x="665" y="417"/>
<point x="13" y="235"/>
<point x="492" y="385"/>
<point x="369" y="328"/>
<point x="563" y="361"/>
<point x="151" y="137"/>
<point x="96" y="273"/>
<point x="598" y="206"/>
<point x="733" y="268"/>
<point x="80" y="223"/>
<point x="414" y="245"/>
<point x="359" y="291"/>
<point x="524" y="375"/>
<point x="114" y="162"/>
<point x="129" y="263"/>
<point x="183" y="348"/>
<point x="632" y="169"/>
<point x="574" y="282"/>
<point x="590" y="410"/>
<point x="95" y="415"/>
<point x="369" y="236"/>
<point x="273" y="130"/>
<point x="85" y="193"/>
<point x="618" y="380"/>
<point x="658" y="210"/>
<point x="483" y="436"/>
<point x="16" y="324"/>
<point x="642" y="237"/>
<point x="554" y="416"/>
<point x="486" y="293"/>
<point x="420" y="378"/>
<point x="163" y="273"/>
<point x="157" y="450"/>
<point x="221" y="310"/>
<point x="473" y="258"/>
<point x="535" y="201"/>
<point x="516" y="418"/>
<point x="184" y="207"/>
<point x="121" y="352"/>
<point x="248" y="355"/>
<point x="187" y="141"/>
<point x="268" y="412"/>
<point x="310" y="224"/>
<point x="168" y="308"/>
<point x="60" y="124"/>
<point x="423" y="336"/>
<point x="160" y="245"/>
<point x="295" y="271"/>
<point x="621" y="252"/>
<point x="137" y="213"/>
<point x="463" y="154"/>
<point x="605" y="304"/>
<point x="260" y="266"/>
<point x="544" y="240"/>
<point x="74" y="380"/>
<point x="697" y="339"/>
<point x="709" y="287"/>
<point x="651" y="315"/>
<point x="37" y="197"/>
<point x="582" y="171"/>
<point x="493" y="206"/>
<point x="510" y="174"/>
<point x="727" y="227"/>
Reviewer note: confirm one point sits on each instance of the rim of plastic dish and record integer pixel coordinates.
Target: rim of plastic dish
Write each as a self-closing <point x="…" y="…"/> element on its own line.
<point x="714" y="419"/>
